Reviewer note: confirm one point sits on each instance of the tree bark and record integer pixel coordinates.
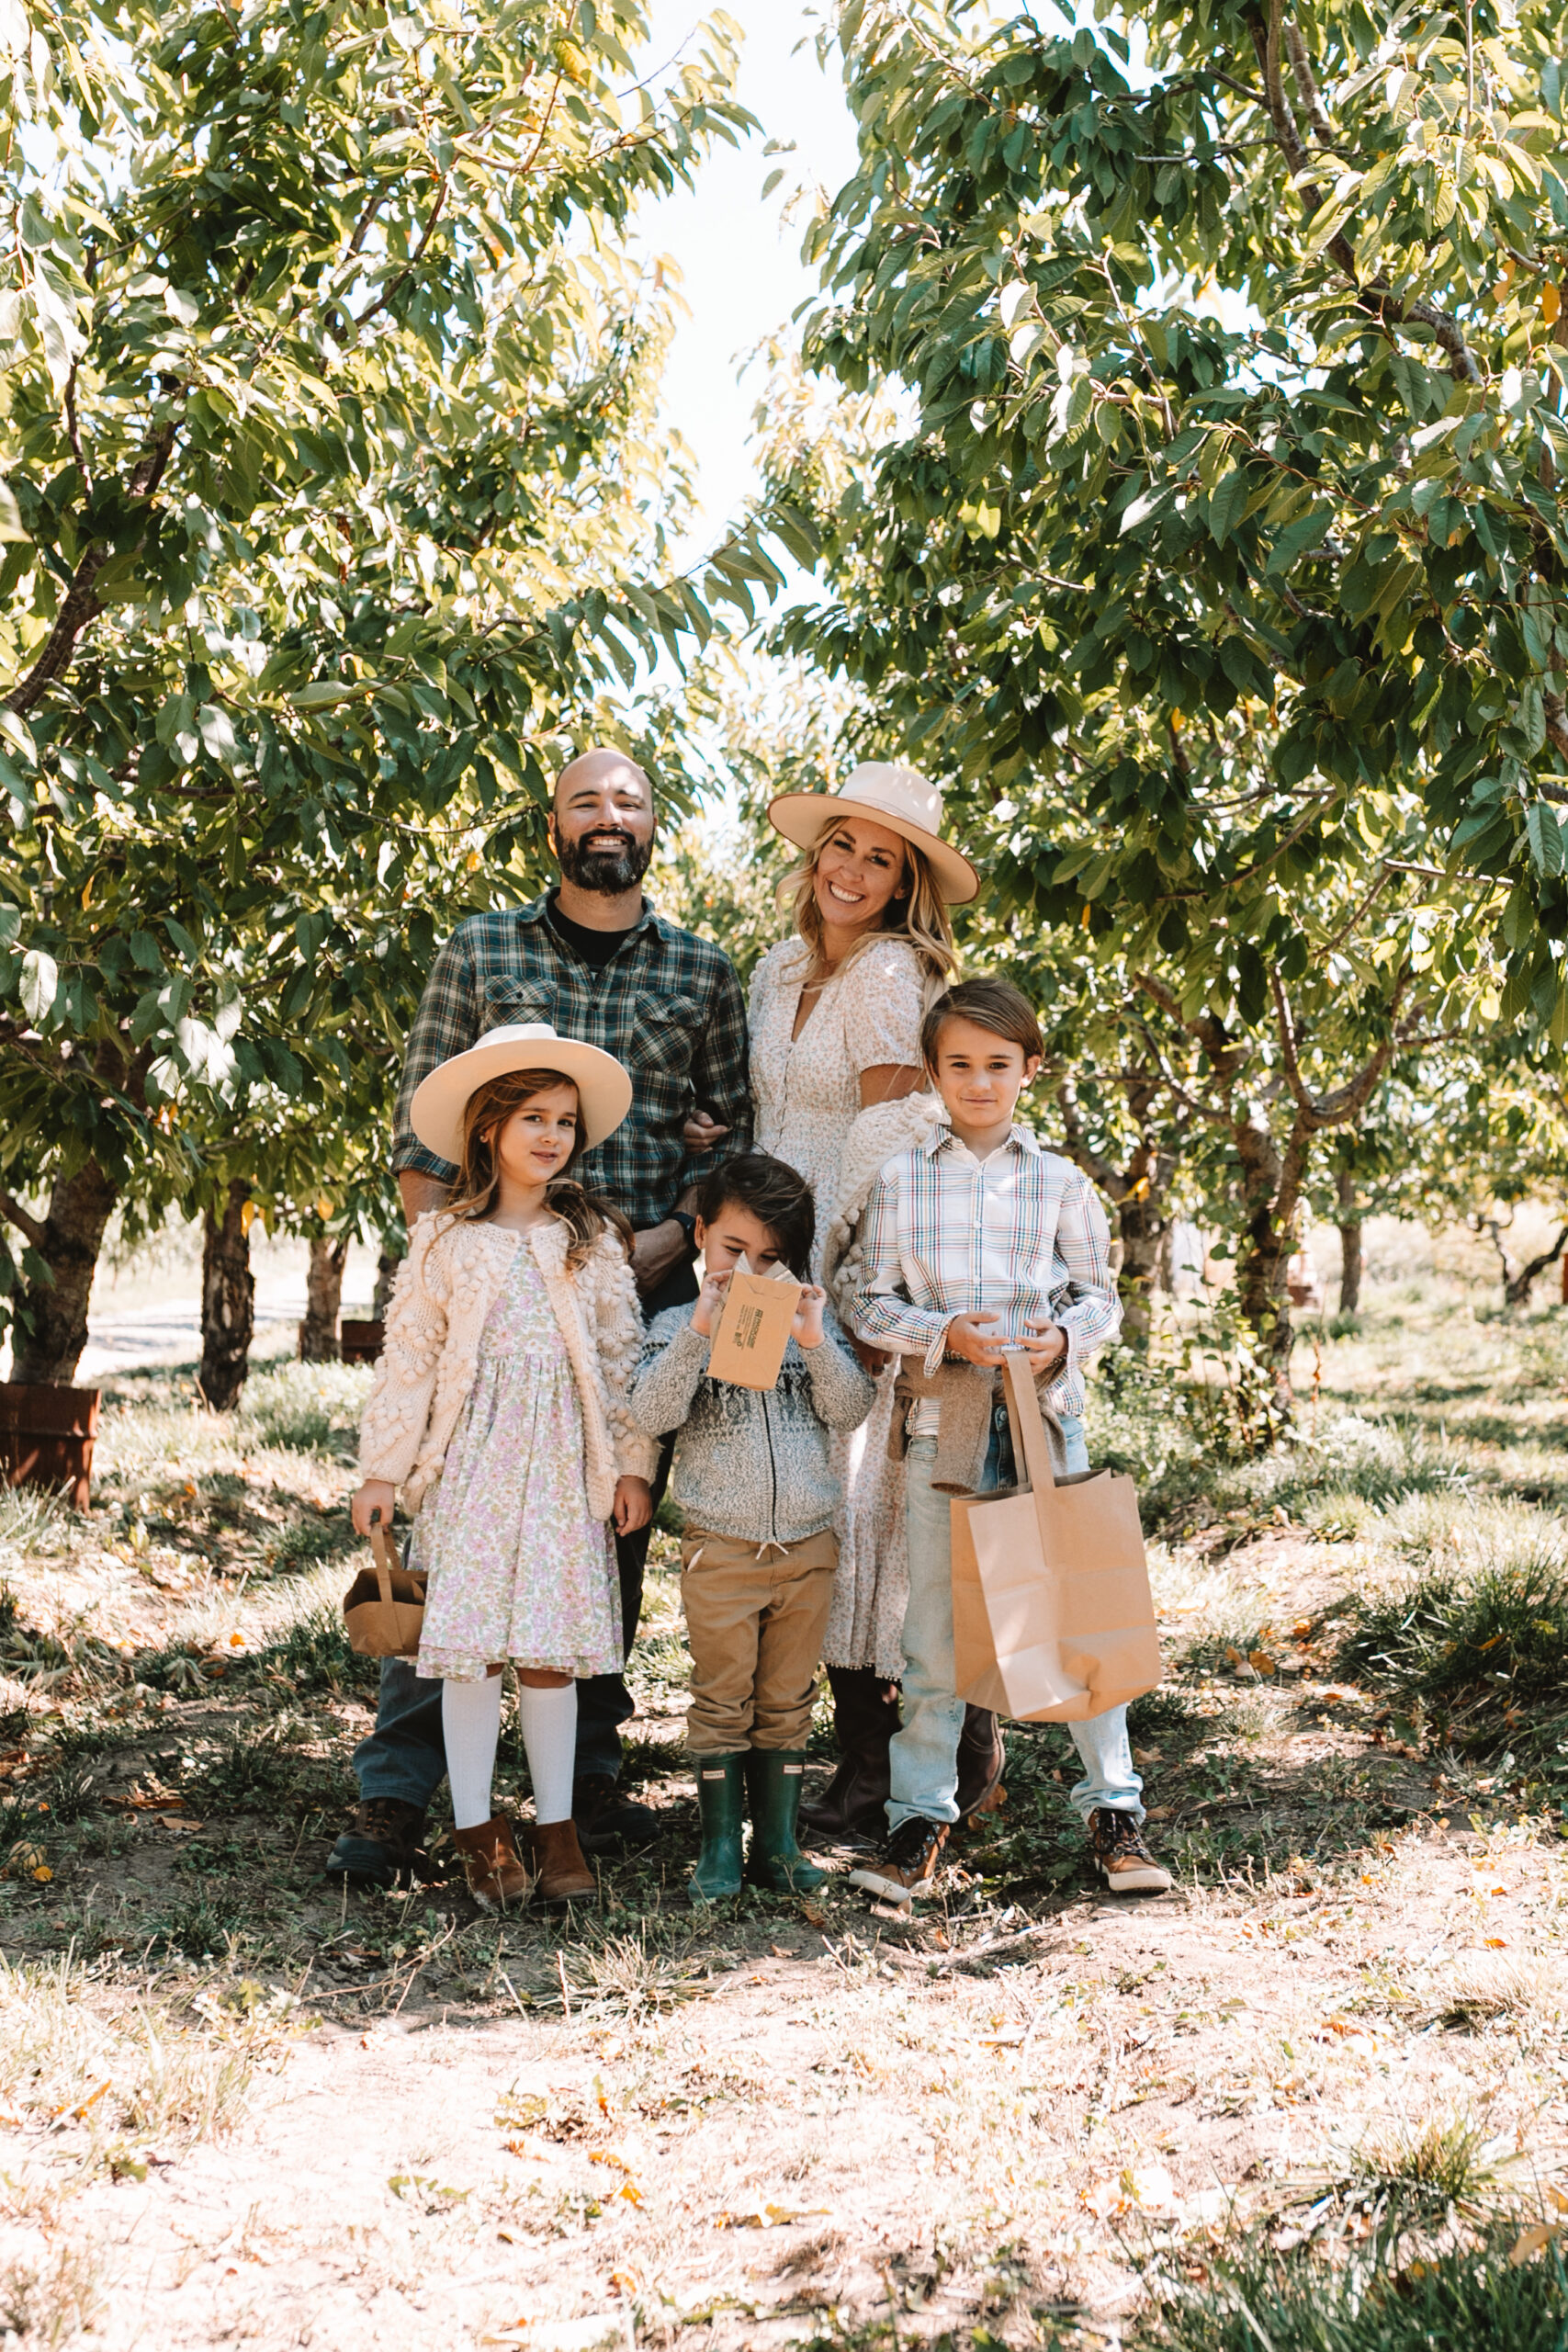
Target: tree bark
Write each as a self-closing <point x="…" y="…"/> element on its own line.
<point x="1140" y="1193"/>
<point x="385" y="1275"/>
<point x="52" y="1317"/>
<point x="323" y="1297"/>
<point x="1517" y="1287"/>
<point x="1349" y="1244"/>
<point x="228" y="1301"/>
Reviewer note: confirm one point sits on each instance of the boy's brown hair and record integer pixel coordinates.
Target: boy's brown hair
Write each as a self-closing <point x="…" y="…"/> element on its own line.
<point x="995" y="1005"/>
<point x="776" y="1194"/>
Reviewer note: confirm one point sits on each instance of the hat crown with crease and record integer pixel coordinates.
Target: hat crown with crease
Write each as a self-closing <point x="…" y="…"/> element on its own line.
<point x="604" y="1088"/>
<point x="900" y="797"/>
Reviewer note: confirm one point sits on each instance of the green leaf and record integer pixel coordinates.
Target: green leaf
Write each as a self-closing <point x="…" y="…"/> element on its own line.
<point x="1227" y="506"/>
<point x="1545" y="836"/>
<point x="39" y="984"/>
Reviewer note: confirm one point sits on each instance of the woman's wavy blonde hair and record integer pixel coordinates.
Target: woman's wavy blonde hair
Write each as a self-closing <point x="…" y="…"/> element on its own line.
<point x="918" y="914"/>
<point x="489" y="1107"/>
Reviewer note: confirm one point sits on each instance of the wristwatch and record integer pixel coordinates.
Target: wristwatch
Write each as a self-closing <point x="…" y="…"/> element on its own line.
<point x="688" y="1224"/>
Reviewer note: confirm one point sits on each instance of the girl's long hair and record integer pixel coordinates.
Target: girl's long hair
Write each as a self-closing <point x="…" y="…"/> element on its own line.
<point x="585" y="1214"/>
<point x="920" y="916"/>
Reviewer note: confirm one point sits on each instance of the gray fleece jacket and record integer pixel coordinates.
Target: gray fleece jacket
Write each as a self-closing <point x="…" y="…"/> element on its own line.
<point x="750" y="1463"/>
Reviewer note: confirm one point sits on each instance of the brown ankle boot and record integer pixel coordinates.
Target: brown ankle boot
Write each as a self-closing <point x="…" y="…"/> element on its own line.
<point x="562" y="1874"/>
<point x="493" y="1866"/>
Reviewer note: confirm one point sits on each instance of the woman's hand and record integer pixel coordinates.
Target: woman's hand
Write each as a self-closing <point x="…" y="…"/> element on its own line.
<point x="375" y="1495"/>
<point x="702" y="1131"/>
<point x="806" y="1326"/>
<point x="710" y="1298"/>
<point x="871" y="1360"/>
<point x="634" y="1505"/>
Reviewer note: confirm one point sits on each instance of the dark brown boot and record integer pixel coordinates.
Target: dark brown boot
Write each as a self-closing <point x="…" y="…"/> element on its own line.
<point x="562" y="1874"/>
<point x="493" y="1865"/>
<point x="866" y="1717"/>
<point x="982" y="1759"/>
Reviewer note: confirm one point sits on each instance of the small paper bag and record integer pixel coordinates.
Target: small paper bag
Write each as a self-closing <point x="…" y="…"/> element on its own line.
<point x="1052" y="1618"/>
<point x="753" y="1328"/>
<point x="384" y="1606"/>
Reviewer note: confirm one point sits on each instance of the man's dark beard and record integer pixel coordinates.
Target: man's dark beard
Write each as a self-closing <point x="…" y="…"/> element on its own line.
<point x="609" y="872"/>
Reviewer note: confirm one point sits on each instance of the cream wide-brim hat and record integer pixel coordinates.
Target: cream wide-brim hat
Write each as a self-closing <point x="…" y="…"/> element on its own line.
<point x="604" y="1088"/>
<point x="903" y="799"/>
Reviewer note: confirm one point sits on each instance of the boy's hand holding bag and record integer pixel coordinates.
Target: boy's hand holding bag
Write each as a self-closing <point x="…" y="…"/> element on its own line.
<point x="384" y="1606"/>
<point x="1052" y="1618"/>
<point x="754" y="1327"/>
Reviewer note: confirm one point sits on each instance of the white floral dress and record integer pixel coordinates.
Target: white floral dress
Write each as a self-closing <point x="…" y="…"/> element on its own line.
<point x="518" y="1566"/>
<point x="807" y="1094"/>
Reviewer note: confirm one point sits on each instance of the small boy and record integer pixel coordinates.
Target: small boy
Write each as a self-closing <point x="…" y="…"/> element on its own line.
<point x="751" y="1474"/>
<point x="977" y="1241"/>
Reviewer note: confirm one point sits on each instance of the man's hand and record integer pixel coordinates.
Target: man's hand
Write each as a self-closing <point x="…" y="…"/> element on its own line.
<point x="657" y="1251"/>
<point x="1047" y="1352"/>
<point x="419" y="1192"/>
<point x="710" y="1298"/>
<point x="634" y="1505"/>
<point x="807" y="1325"/>
<point x="967" y="1340"/>
<point x="702" y="1132"/>
<point x="375" y="1495"/>
<point x="872" y="1360"/>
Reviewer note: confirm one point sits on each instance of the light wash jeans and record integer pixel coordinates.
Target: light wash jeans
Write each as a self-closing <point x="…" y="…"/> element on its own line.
<point x="924" y="1752"/>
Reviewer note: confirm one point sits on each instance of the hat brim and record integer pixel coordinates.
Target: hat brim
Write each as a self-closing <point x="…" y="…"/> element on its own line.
<point x="801" y="817"/>
<point x="604" y="1088"/>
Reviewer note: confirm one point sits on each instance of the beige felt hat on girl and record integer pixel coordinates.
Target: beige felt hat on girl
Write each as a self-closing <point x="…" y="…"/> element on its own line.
<point x="604" y="1088"/>
<point x="907" y="803"/>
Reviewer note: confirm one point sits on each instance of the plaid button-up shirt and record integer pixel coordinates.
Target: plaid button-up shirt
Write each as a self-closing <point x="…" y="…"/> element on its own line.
<point x="1020" y="1235"/>
<point x="667" y="1005"/>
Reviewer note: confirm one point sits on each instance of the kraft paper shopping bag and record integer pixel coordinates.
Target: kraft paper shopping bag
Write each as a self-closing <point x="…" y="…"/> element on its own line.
<point x="1053" y="1618"/>
<point x="754" y="1327"/>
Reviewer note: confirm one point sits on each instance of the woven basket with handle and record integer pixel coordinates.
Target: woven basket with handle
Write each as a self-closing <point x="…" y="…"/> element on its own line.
<point x="384" y="1606"/>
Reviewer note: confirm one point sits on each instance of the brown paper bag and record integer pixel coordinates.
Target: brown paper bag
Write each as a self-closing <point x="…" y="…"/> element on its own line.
<point x="383" y="1609"/>
<point x="1053" y="1620"/>
<point x="753" y="1328"/>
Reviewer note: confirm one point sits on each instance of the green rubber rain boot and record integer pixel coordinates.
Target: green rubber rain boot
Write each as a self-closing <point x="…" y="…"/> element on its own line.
<point x="772" y="1790"/>
<point x="721" y="1799"/>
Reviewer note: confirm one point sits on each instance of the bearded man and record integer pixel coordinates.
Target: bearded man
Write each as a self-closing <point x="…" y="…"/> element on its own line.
<point x="593" y="957"/>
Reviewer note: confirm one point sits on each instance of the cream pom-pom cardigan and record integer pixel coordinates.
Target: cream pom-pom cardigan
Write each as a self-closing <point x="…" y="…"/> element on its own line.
<point x="445" y="1290"/>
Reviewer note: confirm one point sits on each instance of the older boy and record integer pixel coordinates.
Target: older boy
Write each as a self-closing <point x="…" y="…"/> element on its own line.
<point x="973" y="1243"/>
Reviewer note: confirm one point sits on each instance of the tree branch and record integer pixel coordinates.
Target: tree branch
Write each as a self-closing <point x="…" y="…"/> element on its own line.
<point x="413" y="262"/>
<point x="27" y="1225"/>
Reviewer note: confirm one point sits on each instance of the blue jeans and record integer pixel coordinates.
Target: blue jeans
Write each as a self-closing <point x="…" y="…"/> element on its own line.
<point x="924" y="1752"/>
<point x="405" y="1755"/>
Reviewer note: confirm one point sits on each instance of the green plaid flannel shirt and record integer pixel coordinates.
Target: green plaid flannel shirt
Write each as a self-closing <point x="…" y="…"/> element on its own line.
<point x="668" y="1005"/>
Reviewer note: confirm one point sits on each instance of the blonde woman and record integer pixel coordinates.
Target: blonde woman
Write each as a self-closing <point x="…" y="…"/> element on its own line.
<point x="838" y="1086"/>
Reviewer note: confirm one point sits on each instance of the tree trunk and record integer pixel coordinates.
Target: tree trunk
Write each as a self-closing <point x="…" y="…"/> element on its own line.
<point x="1268" y="1203"/>
<point x="1142" y="1225"/>
<point x="385" y="1275"/>
<point x="228" y="1301"/>
<point x="1517" y="1287"/>
<point x="53" y="1318"/>
<point x="1349" y="1244"/>
<point x="323" y="1296"/>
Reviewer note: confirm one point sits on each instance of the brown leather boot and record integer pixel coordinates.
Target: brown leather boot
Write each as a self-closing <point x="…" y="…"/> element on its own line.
<point x="982" y="1760"/>
<point x="563" y="1875"/>
<point x="494" y="1867"/>
<point x="854" y="1803"/>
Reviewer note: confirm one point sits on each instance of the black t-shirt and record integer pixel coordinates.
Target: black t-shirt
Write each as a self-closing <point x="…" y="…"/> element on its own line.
<point x="596" y="947"/>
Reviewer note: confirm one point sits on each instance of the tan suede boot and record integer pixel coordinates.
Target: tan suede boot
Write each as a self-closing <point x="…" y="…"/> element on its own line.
<point x="563" y="1875"/>
<point x="495" y="1870"/>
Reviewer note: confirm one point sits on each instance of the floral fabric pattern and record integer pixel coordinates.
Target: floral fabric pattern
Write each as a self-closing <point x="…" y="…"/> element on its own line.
<point x="518" y="1566"/>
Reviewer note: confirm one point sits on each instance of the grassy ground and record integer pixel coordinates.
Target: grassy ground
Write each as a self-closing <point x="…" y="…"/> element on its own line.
<point x="1314" y="2097"/>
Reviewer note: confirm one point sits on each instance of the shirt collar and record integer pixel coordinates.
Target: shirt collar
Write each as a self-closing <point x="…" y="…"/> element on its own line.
<point x="538" y="909"/>
<point x="941" y="1134"/>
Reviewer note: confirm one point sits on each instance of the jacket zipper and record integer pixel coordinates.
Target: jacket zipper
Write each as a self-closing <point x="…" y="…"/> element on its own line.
<point x="773" y="1475"/>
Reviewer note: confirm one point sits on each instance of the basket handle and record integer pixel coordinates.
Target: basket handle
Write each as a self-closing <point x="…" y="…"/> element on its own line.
<point x="385" y="1555"/>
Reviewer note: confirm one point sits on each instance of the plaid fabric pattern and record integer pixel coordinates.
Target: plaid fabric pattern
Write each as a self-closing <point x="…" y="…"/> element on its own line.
<point x="1020" y="1235"/>
<point x="668" y="1005"/>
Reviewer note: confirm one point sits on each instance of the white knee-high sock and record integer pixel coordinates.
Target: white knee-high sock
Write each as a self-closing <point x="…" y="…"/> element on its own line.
<point x="549" y="1735"/>
<point x="470" y="1726"/>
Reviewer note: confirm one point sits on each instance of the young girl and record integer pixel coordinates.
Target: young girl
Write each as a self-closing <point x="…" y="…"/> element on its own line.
<point x="499" y="1405"/>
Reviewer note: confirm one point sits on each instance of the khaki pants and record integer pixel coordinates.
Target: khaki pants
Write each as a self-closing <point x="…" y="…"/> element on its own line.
<point x="755" y="1618"/>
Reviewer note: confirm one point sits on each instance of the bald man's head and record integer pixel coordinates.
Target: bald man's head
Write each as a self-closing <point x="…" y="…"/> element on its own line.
<point x="595" y="768"/>
<point x="602" y="821"/>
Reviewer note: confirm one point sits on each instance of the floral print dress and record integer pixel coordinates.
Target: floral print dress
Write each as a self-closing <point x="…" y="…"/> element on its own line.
<point x="518" y="1567"/>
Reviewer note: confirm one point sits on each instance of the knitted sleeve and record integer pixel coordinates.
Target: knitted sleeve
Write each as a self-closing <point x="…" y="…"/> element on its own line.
<point x="842" y="1394"/>
<point x="670" y="1371"/>
<point x="617" y="1319"/>
<point x="398" y="1407"/>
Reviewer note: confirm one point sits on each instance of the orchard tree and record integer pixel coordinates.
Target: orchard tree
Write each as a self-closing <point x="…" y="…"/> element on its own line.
<point x="335" y="509"/>
<point x="1217" y="558"/>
